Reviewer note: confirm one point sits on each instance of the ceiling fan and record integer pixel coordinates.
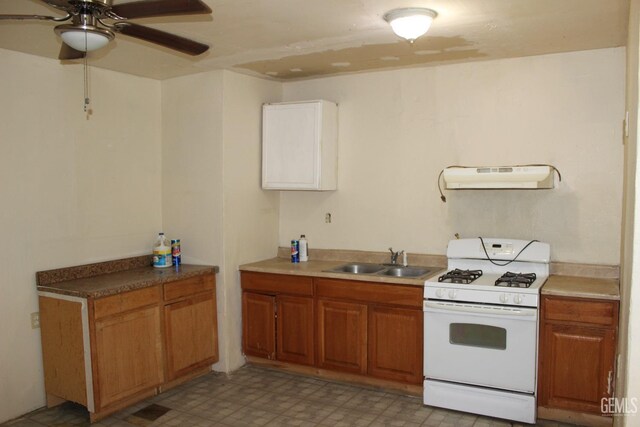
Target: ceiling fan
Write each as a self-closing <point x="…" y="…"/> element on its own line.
<point x="94" y="23"/>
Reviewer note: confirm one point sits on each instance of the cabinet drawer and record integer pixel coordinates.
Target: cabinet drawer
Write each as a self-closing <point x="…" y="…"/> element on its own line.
<point x="277" y="283"/>
<point x="595" y="312"/>
<point x="410" y="296"/>
<point x="126" y="301"/>
<point x="193" y="285"/>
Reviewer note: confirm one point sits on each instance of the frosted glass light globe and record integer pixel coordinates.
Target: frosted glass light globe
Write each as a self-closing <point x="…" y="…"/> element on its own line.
<point x="76" y="39"/>
<point x="410" y="23"/>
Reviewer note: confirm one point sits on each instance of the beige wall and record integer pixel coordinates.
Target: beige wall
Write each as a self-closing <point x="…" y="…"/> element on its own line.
<point x="398" y="129"/>
<point x="192" y="173"/>
<point x="211" y="195"/>
<point x="250" y="213"/>
<point x="192" y="165"/>
<point x="72" y="191"/>
<point x="628" y="377"/>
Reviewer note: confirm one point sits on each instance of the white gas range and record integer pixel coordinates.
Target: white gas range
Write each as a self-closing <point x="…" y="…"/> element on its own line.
<point x="481" y="328"/>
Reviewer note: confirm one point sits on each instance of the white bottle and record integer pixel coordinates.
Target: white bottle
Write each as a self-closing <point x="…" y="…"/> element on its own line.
<point x="303" y="248"/>
<point x="162" y="252"/>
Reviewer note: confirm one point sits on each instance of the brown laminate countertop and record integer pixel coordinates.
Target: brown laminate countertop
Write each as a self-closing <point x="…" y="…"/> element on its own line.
<point x="582" y="287"/>
<point x="122" y="281"/>
<point x="314" y="268"/>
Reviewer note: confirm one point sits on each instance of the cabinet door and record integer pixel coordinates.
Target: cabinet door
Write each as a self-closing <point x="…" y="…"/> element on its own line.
<point x="128" y="350"/>
<point x="258" y="325"/>
<point x="395" y="344"/>
<point x="342" y="336"/>
<point x="295" y="329"/>
<point x="299" y="146"/>
<point x="577" y="366"/>
<point x="191" y="334"/>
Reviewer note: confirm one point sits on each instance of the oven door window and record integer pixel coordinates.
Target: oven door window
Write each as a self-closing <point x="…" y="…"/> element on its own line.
<point x="475" y="335"/>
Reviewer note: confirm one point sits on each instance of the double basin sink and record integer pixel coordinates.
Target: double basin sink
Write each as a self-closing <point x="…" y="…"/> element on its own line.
<point x="389" y="270"/>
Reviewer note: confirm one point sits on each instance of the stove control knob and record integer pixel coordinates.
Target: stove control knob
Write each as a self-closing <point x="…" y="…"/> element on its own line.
<point x="452" y="294"/>
<point x="504" y="298"/>
<point x="517" y="299"/>
<point x="440" y="293"/>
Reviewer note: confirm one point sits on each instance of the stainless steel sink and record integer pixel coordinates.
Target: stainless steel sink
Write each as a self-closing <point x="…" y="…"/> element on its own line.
<point x="358" y="268"/>
<point x="405" y="271"/>
<point x="381" y="270"/>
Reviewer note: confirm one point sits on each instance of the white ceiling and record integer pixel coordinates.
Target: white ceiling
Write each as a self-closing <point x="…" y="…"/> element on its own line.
<point x="319" y="37"/>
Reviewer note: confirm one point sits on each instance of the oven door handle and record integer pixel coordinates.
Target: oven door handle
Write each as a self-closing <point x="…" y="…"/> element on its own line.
<point x="488" y="311"/>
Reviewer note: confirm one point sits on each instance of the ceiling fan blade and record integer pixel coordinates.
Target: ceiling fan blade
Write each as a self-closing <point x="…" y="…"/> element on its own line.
<point x="151" y="8"/>
<point x="25" y="17"/>
<point x="67" y="52"/>
<point x="161" y="38"/>
<point x="58" y="4"/>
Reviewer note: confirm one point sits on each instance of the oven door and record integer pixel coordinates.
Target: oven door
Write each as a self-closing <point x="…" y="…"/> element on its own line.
<point x="485" y="345"/>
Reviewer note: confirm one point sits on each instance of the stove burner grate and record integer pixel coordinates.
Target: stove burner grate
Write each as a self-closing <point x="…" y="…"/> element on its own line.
<point x="460" y="276"/>
<point x="516" y="280"/>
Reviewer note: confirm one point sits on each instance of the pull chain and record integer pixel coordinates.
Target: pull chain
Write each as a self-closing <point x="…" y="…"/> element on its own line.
<point x="87" y="101"/>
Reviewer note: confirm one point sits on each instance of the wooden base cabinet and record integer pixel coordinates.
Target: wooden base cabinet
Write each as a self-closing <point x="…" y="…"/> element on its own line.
<point x="108" y="353"/>
<point x="277" y="317"/>
<point x="373" y="329"/>
<point x="360" y="329"/>
<point x="577" y="353"/>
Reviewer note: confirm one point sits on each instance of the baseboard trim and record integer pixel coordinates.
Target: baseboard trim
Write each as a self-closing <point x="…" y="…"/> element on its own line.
<point x="572" y="417"/>
<point x="408" y="389"/>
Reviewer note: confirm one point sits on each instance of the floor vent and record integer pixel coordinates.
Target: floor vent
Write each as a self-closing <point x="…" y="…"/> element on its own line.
<point x="150" y="413"/>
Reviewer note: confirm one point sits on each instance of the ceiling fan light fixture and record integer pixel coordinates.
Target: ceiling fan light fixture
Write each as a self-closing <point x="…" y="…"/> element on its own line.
<point x="84" y="38"/>
<point x="411" y="22"/>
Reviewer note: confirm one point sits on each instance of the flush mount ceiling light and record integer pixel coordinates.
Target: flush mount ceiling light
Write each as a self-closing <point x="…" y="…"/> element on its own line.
<point x="411" y="22"/>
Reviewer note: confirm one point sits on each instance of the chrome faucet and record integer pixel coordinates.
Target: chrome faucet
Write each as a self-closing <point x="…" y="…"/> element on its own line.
<point x="394" y="256"/>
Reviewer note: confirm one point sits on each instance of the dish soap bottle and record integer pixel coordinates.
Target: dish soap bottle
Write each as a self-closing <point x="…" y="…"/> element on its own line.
<point x="303" y="248"/>
<point x="162" y="252"/>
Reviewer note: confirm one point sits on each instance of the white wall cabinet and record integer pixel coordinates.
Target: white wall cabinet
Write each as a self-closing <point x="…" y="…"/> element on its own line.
<point x="300" y="146"/>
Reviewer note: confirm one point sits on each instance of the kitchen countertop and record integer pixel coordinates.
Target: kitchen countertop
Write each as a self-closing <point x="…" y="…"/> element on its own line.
<point x="582" y="287"/>
<point x="568" y="286"/>
<point x="98" y="283"/>
<point x="314" y="268"/>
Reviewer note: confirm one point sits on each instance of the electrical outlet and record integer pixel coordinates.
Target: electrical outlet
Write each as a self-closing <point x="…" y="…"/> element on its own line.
<point x="626" y="124"/>
<point x="327" y="218"/>
<point x="35" y="320"/>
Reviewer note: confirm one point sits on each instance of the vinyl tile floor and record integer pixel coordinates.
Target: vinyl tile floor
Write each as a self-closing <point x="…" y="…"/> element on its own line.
<point x="255" y="396"/>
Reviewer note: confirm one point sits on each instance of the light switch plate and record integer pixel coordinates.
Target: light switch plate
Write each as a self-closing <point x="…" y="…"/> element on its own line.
<point x="35" y="320"/>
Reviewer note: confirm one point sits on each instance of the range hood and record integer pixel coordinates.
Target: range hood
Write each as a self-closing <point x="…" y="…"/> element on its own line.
<point x="499" y="177"/>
